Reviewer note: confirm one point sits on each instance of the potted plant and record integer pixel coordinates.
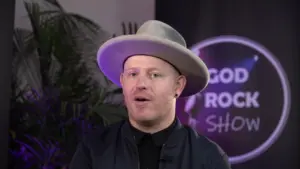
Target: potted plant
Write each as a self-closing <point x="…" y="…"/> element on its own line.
<point x="55" y="97"/>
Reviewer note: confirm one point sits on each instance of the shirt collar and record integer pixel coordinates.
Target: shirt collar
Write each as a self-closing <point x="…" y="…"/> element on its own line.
<point x="159" y="138"/>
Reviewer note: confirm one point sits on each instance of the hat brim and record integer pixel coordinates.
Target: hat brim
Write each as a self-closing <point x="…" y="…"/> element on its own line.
<point x="112" y="54"/>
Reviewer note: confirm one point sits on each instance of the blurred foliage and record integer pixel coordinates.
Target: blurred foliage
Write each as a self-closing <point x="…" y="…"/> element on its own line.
<point x="55" y="100"/>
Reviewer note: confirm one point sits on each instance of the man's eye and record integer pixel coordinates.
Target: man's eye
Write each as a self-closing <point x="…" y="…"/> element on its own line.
<point x="154" y="75"/>
<point x="132" y="74"/>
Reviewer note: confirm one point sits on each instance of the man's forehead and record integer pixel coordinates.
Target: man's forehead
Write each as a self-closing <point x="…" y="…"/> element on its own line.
<point x="148" y="62"/>
<point x="147" y="68"/>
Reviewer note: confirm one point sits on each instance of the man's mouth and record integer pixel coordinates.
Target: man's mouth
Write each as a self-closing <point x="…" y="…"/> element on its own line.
<point x="141" y="99"/>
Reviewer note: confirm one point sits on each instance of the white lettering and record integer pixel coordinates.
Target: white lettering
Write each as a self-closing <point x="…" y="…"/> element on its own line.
<point x="226" y="100"/>
<point x="222" y="124"/>
<point x="228" y="75"/>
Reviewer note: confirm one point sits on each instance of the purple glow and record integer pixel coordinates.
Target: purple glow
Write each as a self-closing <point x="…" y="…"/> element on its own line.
<point x="284" y="82"/>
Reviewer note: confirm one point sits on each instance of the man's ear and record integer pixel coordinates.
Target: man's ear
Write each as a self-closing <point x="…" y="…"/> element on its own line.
<point x="180" y="84"/>
<point x="121" y="79"/>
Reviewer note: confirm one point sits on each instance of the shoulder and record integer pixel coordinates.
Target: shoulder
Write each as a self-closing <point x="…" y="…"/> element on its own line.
<point x="103" y="135"/>
<point x="212" y="152"/>
<point x="202" y="141"/>
<point x="93" y="145"/>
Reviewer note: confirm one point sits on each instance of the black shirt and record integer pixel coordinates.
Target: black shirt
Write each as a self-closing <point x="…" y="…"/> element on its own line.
<point x="111" y="148"/>
<point x="149" y="146"/>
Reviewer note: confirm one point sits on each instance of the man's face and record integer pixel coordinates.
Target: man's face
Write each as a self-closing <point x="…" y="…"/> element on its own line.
<point x="149" y="87"/>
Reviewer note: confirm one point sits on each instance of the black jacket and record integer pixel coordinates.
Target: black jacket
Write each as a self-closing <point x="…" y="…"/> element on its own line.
<point x="114" y="148"/>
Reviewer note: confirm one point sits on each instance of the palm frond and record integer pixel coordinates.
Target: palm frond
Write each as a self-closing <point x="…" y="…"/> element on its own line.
<point x="55" y="94"/>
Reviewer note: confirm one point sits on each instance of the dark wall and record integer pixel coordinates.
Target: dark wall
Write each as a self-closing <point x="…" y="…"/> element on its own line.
<point x="7" y="11"/>
<point x="275" y="26"/>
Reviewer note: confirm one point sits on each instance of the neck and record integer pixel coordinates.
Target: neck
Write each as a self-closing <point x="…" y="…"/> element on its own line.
<point x="153" y="126"/>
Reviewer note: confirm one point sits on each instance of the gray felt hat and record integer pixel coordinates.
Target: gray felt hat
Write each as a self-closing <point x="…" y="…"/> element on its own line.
<point x="154" y="38"/>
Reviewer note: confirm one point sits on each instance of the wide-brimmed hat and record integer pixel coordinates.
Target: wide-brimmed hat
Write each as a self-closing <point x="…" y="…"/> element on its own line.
<point x="154" y="38"/>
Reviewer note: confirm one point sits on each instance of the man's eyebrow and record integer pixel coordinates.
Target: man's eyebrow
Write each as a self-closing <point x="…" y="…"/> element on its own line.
<point x="135" y="68"/>
<point x="154" y="68"/>
<point x="130" y="69"/>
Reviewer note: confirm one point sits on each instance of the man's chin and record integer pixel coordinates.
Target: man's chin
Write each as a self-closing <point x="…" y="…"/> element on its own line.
<point x="146" y="121"/>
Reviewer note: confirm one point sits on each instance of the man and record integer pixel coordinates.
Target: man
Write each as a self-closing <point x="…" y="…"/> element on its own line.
<point x="154" y="68"/>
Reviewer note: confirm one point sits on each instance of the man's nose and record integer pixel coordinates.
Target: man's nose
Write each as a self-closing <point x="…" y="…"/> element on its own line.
<point x="142" y="82"/>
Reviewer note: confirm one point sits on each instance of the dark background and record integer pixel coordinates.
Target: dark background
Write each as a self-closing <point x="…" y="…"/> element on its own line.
<point x="271" y="23"/>
<point x="275" y="25"/>
<point x="7" y="12"/>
